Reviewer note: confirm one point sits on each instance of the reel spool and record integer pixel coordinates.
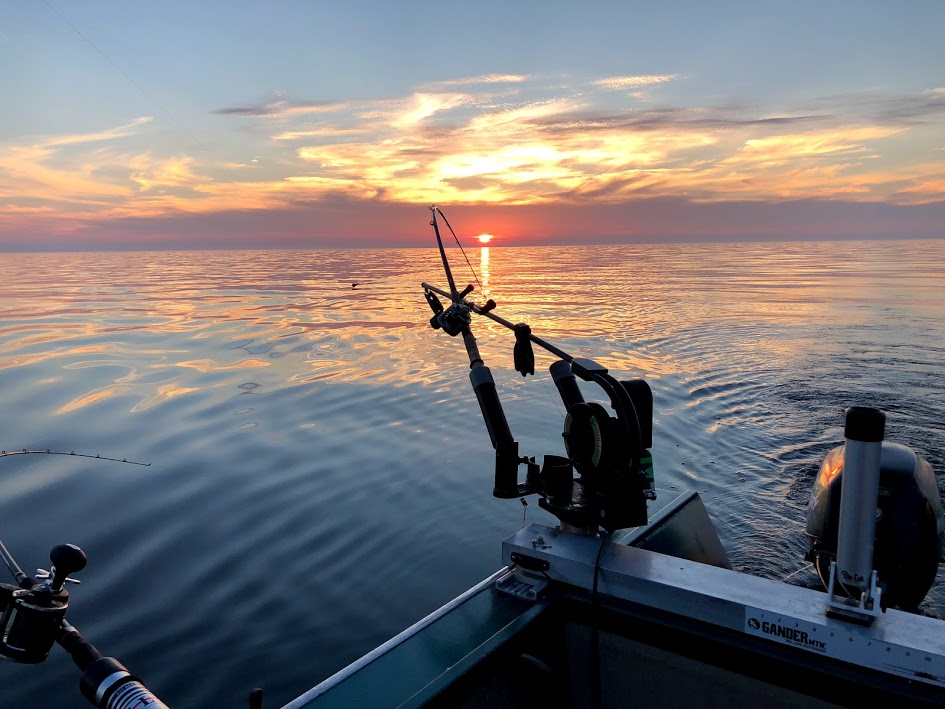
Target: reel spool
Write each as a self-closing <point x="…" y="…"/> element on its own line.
<point x="32" y="617"/>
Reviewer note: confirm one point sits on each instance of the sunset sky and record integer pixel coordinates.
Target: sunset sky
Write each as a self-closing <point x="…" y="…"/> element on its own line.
<point x="296" y="124"/>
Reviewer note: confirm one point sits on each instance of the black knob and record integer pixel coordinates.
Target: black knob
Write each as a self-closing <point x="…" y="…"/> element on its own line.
<point x="66" y="559"/>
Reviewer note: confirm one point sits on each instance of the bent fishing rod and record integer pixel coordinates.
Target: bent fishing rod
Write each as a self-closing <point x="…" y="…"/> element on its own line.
<point x="610" y="454"/>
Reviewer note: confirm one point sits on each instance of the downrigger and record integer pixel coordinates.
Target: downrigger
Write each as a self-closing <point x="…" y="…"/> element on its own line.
<point x="608" y="451"/>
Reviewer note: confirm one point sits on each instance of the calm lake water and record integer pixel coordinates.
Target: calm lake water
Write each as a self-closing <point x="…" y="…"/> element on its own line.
<point x="320" y="477"/>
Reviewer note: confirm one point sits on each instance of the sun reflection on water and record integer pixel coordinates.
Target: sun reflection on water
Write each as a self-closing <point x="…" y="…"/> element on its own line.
<point x="484" y="269"/>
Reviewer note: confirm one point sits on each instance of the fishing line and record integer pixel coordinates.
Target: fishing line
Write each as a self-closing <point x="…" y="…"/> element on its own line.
<point x="548" y="392"/>
<point x="597" y="685"/>
<point x="461" y="249"/>
<point x="787" y="579"/>
<point x="127" y="78"/>
<point x="4" y="454"/>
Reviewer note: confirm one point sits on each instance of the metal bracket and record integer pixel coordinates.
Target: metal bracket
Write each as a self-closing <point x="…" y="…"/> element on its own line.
<point x="518" y="585"/>
<point x="863" y="611"/>
<point x="46" y="576"/>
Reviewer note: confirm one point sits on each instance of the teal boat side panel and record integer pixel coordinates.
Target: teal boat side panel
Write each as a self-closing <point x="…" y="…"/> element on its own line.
<point x="424" y="664"/>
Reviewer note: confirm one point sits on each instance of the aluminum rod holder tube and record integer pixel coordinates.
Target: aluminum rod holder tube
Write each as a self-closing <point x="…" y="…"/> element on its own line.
<point x="864" y="431"/>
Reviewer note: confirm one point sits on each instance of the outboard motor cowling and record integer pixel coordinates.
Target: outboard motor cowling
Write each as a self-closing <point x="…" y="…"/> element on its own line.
<point x="910" y="524"/>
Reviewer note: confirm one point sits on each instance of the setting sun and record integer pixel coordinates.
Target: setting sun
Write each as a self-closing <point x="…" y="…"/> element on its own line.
<point x="484" y="238"/>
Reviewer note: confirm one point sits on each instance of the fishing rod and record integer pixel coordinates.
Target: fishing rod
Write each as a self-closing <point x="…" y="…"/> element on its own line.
<point x="610" y="454"/>
<point x="446" y="264"/>
<point x="5" y="454"/>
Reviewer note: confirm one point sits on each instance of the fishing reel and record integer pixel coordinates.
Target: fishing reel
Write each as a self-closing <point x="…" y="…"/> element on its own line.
<point x="32" y="617"/>
<point x="610" y="453"/>
<point x="457" y="316"/>
<point x="451" y="320"/>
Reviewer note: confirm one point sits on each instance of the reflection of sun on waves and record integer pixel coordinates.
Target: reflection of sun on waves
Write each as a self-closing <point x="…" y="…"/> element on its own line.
<point x="484" y="268"/>
<point x="161" y="394"/>
<point x="207" y="365"/>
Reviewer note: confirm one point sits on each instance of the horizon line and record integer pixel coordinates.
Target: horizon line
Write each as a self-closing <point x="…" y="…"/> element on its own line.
<point x="92" y="248"/>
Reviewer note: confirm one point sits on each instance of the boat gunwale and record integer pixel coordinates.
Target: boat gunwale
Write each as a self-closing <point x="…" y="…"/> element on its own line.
<point x="365" y="660"/>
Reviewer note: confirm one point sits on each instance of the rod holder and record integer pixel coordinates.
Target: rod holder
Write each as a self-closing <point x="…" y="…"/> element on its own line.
<point x="864" y="430"/>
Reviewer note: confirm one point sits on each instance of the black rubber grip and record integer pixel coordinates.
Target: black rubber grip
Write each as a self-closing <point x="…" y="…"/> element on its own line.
<point x="864" y="424"/>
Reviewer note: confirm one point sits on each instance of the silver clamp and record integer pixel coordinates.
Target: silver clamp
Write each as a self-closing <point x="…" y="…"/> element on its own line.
<point x="46" y="576"/>
<point x="863" y="610"/>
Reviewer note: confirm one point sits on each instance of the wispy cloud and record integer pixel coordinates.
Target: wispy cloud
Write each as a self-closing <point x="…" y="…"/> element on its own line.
<point x="486" y="79"/>
<point x="280" y="108"/>
<point x="626" y="83"/>
<point x="64" y="169"/>
<point x="110" y="134"/>
<point x="925" y="107"/>
<point x="87" y="176"/>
